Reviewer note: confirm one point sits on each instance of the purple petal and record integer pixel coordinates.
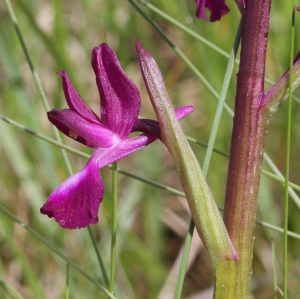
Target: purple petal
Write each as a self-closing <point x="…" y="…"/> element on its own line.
<point x="120" y="99"/>
<point x="74" y="100"/>
<point x="151" y="126"/>
<point x="106" y="156"/>
<point x="76" y="127"/>
<point x="75" y="203"/>
<point x="218" y="8"/>
<point x="181" y="112"/>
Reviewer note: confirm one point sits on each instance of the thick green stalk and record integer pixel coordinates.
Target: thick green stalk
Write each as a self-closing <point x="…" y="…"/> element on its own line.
<point x="207" y="218"/>
<point x="208" y="155"/>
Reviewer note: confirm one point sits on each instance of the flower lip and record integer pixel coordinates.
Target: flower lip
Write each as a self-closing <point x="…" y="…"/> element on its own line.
<point x="75" y="203"/>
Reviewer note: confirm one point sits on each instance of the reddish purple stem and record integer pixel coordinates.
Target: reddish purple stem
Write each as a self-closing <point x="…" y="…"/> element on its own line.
<point x="248" y="139"/>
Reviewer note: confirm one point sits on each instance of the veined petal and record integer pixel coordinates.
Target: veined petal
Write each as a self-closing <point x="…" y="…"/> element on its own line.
<point x="151" y="126"/>
<point x="218" y="8"/>
<point x="78" y="128"/>
<point x="75" y="203"/>
<point x="120" y="99"/>
<point x="106" y="156"/>
<point x="75" y="101"/>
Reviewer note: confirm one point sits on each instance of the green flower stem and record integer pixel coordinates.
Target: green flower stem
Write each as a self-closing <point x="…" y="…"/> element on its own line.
<point x="287" y="160"/>
<point x="57" y="251"/>
<point x="113" y="252"/>
<point x="207" y="218"/>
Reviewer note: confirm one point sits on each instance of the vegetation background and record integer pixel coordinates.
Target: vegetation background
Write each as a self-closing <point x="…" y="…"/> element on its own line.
<point x="152" y="223"/>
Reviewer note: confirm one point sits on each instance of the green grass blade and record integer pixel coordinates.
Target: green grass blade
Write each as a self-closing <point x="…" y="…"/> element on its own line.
<point x="9" y="291"/>
<point x="274" y="270"/>
<point x="113" y="252"/>
<point x="287" y="161"/>
<point x="99" y="258"/>
<point x="36" y="77"/>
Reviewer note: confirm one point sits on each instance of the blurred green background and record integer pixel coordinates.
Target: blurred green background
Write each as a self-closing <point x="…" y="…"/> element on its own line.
<point x="152" y="223"/>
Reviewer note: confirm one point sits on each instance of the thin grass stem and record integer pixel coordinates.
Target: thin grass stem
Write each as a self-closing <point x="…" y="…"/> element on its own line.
<point x="8" y="290"/>
<point x="184" y="260"/>
<point x="113" y="250"/>
<point x="99" y="258"/>
<point x="36" y="78"/>
<point x="287" y="160"/>
<point x="67" y="281"/>
<point x="274" y="270"/>
<point x="279" y="177"/>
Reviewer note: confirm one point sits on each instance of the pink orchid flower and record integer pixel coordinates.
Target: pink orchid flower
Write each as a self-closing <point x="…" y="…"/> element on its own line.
<point x="75" y="203"/>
